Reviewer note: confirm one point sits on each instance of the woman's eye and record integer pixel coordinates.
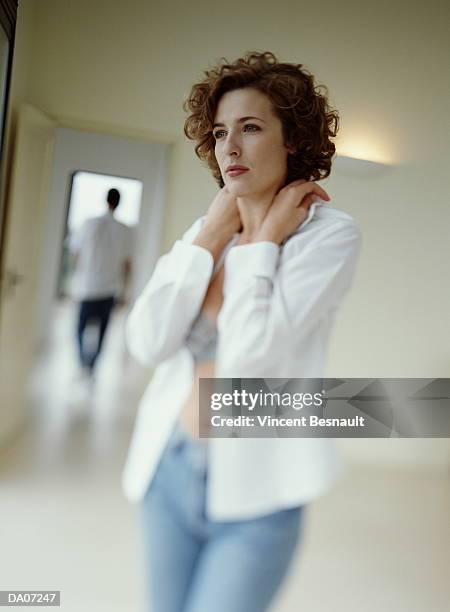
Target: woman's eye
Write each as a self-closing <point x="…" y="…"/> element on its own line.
<point x="249" y="127"/>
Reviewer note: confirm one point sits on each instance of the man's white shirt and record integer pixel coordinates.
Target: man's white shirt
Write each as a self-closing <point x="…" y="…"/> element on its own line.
<point x="102" y="244"/>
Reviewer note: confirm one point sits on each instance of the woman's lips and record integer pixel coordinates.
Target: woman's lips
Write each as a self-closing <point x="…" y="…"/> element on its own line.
<point x="237" y="171"/>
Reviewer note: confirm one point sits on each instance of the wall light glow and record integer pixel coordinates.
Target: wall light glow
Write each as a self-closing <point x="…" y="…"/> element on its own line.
<point x="360" y="142"/>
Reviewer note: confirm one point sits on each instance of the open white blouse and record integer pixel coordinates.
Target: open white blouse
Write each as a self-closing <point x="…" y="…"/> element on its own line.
<point x="278" y="310"/>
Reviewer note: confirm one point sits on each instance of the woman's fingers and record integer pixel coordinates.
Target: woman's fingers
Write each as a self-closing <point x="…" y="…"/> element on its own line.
<point x="308" y="187"/>
<point x="312" y="189"/>
<point x="321" y="192"/>
<point x="297" y="182"/>
<point x="308" y="200"/>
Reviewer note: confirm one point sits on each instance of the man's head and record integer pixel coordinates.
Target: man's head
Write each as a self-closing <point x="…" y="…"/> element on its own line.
<point x="113" y="199"/>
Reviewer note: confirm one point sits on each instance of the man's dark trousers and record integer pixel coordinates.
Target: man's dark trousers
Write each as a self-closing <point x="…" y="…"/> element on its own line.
<point x="97" y="311"/>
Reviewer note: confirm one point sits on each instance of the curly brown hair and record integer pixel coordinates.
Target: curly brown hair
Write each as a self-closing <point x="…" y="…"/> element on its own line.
<point x="308" y="120"/>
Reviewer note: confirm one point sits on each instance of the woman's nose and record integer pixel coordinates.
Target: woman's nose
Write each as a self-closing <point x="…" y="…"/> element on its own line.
<point x="232" y="146"/>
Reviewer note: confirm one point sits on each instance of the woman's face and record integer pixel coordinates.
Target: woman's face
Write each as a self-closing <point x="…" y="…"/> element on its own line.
<point x="249" y="134"/>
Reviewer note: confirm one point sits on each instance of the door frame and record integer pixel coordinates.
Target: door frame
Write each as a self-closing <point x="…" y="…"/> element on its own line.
<point x="8" y="20"/>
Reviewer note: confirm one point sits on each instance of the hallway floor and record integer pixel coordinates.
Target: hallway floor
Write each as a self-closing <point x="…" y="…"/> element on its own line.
<point x="380" y="541"/>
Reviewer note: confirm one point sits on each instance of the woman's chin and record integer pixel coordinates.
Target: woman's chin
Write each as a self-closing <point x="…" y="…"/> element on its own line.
<point x="238" y="190"/>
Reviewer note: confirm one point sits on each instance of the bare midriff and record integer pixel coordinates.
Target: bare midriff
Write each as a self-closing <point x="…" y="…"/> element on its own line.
<point x="189" y="415"/>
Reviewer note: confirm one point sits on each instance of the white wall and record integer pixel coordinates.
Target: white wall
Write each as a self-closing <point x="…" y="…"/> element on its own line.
<point x="103" y="153"/>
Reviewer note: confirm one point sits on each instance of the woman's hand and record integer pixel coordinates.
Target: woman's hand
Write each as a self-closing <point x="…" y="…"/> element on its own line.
<point x="222" y="222"/>
<point x="289" y="208"/>
<point x="223" y="214"/>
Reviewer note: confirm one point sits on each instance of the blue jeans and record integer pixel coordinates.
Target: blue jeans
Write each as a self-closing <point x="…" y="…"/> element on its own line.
<point x="98" y="311"/>
<point x="198" y="565"/>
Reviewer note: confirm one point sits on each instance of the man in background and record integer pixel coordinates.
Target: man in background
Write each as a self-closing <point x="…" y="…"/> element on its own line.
<point x="102" y="249"/>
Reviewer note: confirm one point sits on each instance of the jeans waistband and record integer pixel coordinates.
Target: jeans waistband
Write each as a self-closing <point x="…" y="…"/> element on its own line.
<point x="194" y="450"/>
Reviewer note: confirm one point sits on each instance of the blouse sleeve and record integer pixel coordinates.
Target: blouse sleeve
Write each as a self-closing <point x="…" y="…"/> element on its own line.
<point x="162" y="315"/>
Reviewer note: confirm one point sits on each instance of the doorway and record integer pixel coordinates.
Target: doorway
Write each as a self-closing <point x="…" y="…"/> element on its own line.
<point x="86" y="200"/>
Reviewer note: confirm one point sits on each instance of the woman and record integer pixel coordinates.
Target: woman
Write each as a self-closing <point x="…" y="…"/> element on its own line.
<point x="251" y="290"/>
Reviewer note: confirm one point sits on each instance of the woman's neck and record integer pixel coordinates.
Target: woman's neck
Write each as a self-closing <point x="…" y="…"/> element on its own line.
<point x="253" y="209"/>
